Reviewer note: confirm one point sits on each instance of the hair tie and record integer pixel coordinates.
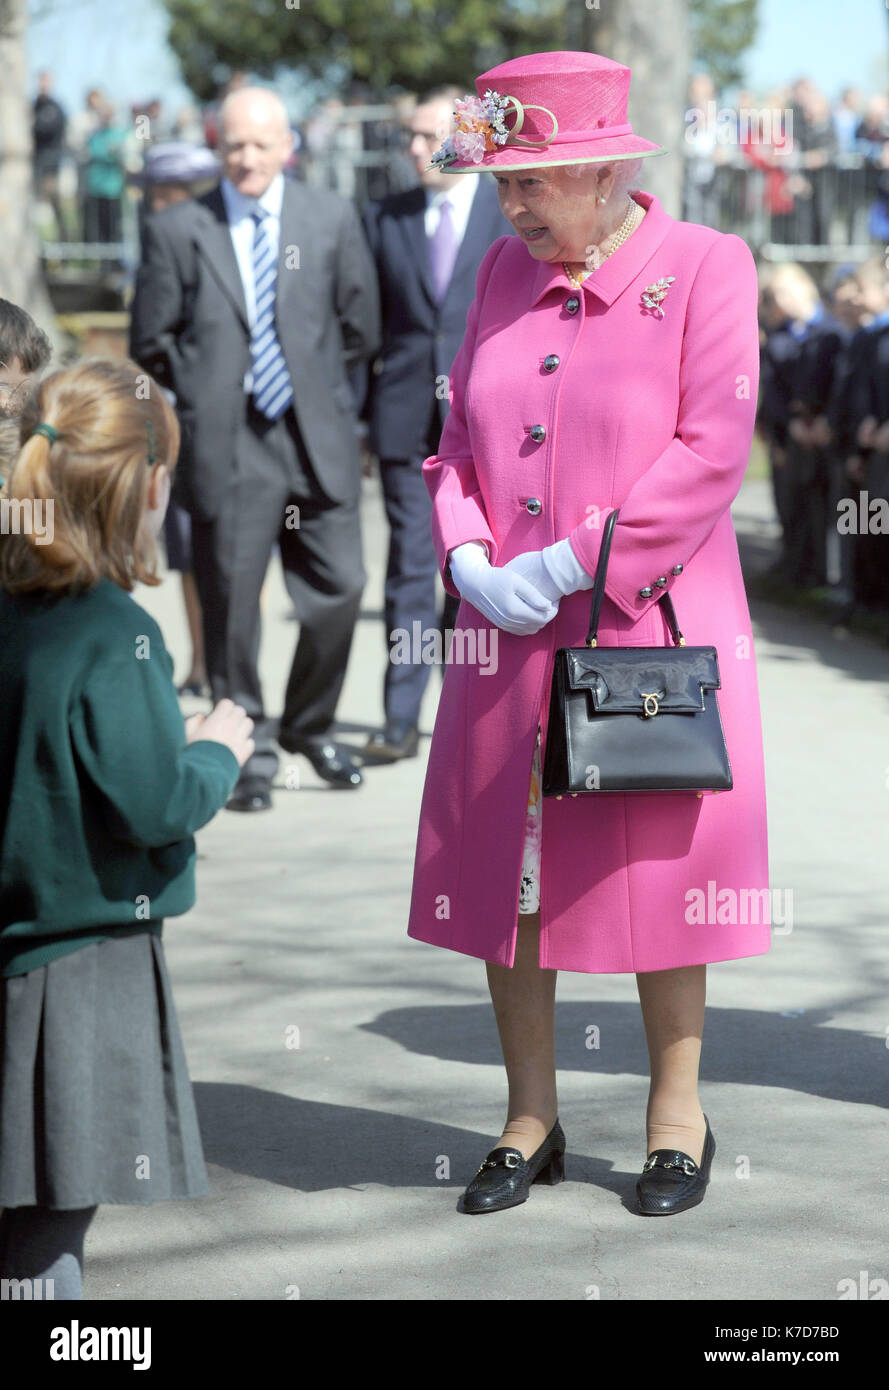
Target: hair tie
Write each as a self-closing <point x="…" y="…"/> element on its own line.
<point x="48" y="431"/>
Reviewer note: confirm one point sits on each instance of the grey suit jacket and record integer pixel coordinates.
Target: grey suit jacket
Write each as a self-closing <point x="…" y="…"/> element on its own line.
<point x="189" y="329"/>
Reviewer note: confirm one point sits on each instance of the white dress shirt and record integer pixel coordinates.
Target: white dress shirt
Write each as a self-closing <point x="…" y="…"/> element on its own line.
<point x="460" y="197"/>
<point x="242" y="228"/>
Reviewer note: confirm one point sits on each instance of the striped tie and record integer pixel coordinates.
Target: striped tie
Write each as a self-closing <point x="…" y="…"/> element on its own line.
<point x="272" y="390"/>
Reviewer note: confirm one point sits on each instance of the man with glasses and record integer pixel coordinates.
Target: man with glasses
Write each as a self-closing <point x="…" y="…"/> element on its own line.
<point x="428" y="243"/>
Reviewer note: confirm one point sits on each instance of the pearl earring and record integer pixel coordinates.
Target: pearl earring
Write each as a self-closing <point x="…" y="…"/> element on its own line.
<point x="601" y="200"/>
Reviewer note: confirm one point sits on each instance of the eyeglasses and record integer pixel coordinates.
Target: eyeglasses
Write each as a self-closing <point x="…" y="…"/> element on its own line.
<point x="430" y="136"/>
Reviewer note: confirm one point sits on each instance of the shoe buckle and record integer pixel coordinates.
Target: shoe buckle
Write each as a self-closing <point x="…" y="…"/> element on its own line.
<point x="508" y="1161"/>
<point x="688" y="1166"/>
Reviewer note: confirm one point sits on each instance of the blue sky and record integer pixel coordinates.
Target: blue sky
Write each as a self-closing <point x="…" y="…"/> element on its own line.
<point x="121" y="47"/>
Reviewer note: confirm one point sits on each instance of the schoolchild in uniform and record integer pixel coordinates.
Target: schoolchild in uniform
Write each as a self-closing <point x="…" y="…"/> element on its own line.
<point x="102" y="786"/>
<point x="803" y="381"/>
<point x="858" y="292"/>
<point x="872" y="473"/>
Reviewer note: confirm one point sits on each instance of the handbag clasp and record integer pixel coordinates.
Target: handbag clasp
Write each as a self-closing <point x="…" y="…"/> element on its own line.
<point x="649" y="700"/>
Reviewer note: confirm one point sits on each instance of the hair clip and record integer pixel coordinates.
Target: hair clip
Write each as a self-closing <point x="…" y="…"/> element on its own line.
<point x="48" y="431"/>
<point x="152" y="456"/>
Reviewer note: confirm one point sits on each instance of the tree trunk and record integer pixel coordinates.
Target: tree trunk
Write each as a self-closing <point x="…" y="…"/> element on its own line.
<point x="21" y="274"/>
<point x="653" y="40"/>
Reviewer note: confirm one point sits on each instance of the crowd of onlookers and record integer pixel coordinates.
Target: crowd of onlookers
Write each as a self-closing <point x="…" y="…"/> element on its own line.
<point x="822" y="169"/>
<point x="790" y="167"/>
<point x="107" y="149"/>
<point x="824" y="415"/>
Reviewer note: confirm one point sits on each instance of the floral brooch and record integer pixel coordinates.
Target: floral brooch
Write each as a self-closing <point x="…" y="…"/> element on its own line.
<point x="653" y="295"/>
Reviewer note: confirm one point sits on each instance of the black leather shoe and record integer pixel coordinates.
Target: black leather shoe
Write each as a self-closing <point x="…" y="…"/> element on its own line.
<point x="329" y="760"/>
<point x="251" y="794"/>
<point x="505" y="1177"/>
<point x="200" y="689"/>
<point x="399" y="739"/>
<point x="671" y="1181"/>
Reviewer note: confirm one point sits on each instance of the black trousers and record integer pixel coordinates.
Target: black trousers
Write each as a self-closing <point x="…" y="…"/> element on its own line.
<point x="805" y="517"/>
<point x="276" y="497"/>
<point x="101" y="219"/>
<point x="410" y="593"/>
<point x="871" y="561"/>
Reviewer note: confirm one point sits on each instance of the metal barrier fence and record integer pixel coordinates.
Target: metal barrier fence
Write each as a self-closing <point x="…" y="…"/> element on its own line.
<point x="789" y="213"/>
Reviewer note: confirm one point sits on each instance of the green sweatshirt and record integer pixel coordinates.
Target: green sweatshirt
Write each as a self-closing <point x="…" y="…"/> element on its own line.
<point x="99" y="793"/>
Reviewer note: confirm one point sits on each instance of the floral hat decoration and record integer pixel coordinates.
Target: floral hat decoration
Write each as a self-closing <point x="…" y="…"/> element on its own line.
<point x="542" y="110"/>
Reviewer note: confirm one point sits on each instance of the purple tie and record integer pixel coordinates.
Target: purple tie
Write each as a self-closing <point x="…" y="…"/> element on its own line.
<point x="443" y="250"/>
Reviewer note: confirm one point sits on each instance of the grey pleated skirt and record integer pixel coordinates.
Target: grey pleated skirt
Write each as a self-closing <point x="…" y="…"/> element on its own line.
<point x="96" y="1105"/>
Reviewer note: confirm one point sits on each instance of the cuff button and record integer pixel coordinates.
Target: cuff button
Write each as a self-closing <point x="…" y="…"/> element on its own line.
<point x="662" y="582"/>
<point x="646" y="593"/>
<point x="677" y="569"/>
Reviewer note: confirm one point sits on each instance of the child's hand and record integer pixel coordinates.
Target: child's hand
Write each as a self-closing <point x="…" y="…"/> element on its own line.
<point x="866" y="431"/>
<point x="227" y="723"/>
<point x="855" y="468"/>
<point x="192" y="725"/>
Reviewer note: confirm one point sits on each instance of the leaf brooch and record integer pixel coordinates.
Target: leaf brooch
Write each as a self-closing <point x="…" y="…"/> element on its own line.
<point x="652" y="295"/>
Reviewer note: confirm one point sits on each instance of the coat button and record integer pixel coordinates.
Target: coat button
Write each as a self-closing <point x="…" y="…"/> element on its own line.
<point x="572" y="305"/>
<point x="662" y="582"/>
<point x="550" y="363"/>
<point x="533" y="505"/>
<point x="646" y="593"/>
<point x="677" y="569"/>
<point x="538" y="433"/>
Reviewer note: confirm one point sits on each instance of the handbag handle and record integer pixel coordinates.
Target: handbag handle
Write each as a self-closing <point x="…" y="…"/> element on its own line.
<point x="599" y="591"/>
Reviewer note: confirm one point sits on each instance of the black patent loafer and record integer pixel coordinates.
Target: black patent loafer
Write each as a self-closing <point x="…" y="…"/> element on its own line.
<point x="250" y="794"/>
<point x="671" y="1181"/>
<point x="505" y="1177"/>
<point x="330" y="760"/>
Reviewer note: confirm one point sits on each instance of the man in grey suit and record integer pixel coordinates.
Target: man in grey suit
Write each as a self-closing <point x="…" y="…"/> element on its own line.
<point x="252" y="304"/>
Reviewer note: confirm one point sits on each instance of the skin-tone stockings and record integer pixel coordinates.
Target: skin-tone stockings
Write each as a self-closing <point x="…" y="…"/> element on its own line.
<point x="673" y="1013"/>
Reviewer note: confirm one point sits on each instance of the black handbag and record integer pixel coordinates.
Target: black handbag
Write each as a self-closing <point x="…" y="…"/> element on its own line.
<point x="634" y="719"/>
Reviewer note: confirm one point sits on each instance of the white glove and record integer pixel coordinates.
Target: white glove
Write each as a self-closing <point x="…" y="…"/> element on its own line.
<point x="555" y="570"/>
<point x="503" y="596"/>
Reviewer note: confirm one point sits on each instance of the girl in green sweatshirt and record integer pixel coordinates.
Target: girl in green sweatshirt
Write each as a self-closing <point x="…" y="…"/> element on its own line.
<point x="102" y="786"/>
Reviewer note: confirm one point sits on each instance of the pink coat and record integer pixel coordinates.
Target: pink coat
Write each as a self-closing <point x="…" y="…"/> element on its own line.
<point x="653" y="415"/>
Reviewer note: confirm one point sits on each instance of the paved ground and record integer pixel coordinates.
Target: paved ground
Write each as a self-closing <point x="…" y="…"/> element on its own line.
<point x="336" y="1166"/>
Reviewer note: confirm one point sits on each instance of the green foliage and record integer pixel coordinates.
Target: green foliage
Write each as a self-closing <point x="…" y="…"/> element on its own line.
<point x="384" y="43"/>
<point x="721" y="32"/>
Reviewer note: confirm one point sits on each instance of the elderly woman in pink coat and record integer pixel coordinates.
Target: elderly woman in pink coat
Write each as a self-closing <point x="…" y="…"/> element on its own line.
<point x="610" y="361"/>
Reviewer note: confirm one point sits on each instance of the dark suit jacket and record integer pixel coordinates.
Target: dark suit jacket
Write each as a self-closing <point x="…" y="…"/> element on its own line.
<point x="848" y="404"/>
<point x="876" y="373"/>
<point x="420" y="337"/>
<point x="798" y="375"/>
<point x="189" y="329"/>
<point x="772" y="413"/>
<point x="813" y="366"/>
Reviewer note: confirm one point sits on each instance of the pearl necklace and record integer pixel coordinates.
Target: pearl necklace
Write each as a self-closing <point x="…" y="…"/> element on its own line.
<point x="618" y="239"/>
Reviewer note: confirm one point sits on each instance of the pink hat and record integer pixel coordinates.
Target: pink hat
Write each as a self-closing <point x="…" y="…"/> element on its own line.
<point x="542" y="110"/>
